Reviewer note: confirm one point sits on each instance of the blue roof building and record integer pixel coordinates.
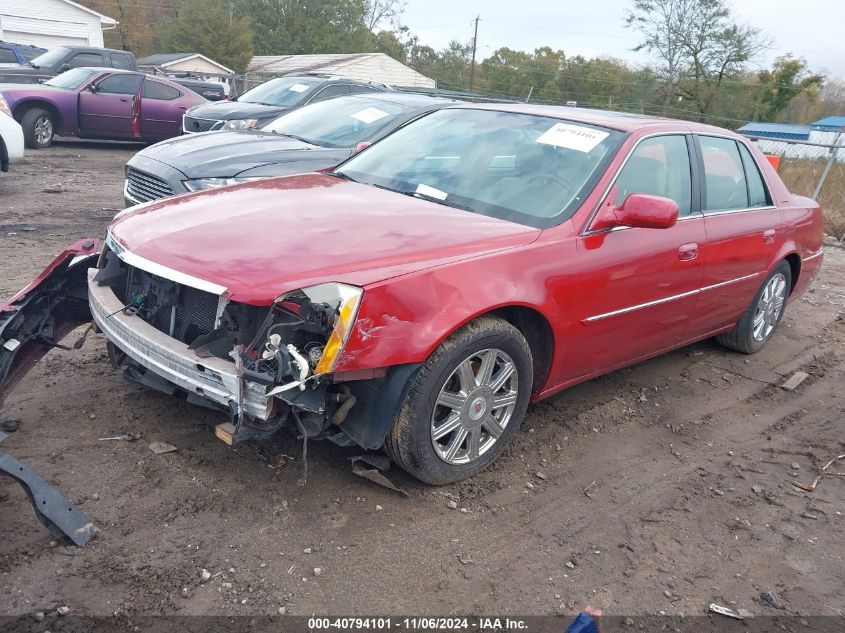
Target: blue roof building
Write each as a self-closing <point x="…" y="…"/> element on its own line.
<point x="830" y="124"/>
<point x="778" y="131"/>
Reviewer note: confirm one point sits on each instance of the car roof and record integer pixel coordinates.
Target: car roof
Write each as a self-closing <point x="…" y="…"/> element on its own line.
<point x="123" y="71"/>
<point x="325" y="78"/>
<point x="622" y="121"/>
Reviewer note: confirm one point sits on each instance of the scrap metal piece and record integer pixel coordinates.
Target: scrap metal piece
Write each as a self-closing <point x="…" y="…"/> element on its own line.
<point x="374" y="474"/>
<point x="715" y="608"/>
<point x="51" y="507"/>
<point x="162" y="447"/>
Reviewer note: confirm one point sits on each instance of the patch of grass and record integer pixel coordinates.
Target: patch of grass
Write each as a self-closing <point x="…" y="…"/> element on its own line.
<point x="801" y="176"/>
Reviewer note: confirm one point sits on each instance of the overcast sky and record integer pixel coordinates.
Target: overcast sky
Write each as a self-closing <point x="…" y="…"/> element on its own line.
<point x="812" y="29"/>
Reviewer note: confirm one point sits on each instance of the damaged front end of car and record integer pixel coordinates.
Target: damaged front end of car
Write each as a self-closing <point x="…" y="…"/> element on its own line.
<point x="267" y="366"/>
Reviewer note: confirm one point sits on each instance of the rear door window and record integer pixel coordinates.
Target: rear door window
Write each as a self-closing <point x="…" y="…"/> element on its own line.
<point x="658" y="166"/>
<point x="158" y="90"/>
<point x="757" y="194"/>
<point x="724" y="175"/>
<point x="120" y="61"/>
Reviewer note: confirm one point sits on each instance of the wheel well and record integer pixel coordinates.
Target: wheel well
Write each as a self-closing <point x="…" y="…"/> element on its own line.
<point x="4" y="156"/>
<point x="26" y="106"/>
<point x="795" y="267"/>
<point x="537" y="332"/>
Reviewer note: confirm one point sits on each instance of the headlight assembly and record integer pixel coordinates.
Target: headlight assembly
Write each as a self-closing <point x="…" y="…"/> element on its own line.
<point x="203" y="184"/>
<point x="240" y="124"/>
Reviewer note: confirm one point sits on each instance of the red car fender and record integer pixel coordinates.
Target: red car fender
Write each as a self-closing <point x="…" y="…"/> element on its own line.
<point x="403" y="320"/>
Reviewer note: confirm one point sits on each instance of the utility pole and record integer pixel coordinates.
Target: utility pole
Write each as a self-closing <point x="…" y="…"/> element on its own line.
<point x="474" y="42"/>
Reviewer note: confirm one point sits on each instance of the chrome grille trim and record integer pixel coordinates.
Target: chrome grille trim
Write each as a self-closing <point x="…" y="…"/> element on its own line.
<point x="144" y="187"/>
<point x="193" y="125"/>
<point x="213" y="378"/>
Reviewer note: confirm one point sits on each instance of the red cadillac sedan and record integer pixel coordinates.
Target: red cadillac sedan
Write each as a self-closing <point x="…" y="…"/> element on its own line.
<point x="420" y="295"/>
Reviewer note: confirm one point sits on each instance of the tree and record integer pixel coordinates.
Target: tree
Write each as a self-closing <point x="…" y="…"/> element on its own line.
<point x="207" y="27"/>
<point x="379" y="11"/>
<point x="787" y="79"/>
<point x="699" y="44"/>
<point x="300" y="27"/>
<point x="137" y="22"/>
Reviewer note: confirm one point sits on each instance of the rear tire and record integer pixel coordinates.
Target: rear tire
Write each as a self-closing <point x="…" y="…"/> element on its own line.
<point x="465" y="403"/>
<point x="38" y="128"/>
<point x="760" y="322"/>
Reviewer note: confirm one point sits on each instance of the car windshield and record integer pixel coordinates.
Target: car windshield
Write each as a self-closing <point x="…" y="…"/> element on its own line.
<point x="529" y="169"/>
<point x="49" y="58"/>
<point x="279" y="92"/>
<point x="340" y="122"/>
<point x="72" y="79"/>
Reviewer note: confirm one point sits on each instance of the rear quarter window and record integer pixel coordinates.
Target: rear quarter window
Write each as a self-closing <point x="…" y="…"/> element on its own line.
<point x="7" y="56"/>
<point x="724" y="175"/>
<point x="758" y="196"/>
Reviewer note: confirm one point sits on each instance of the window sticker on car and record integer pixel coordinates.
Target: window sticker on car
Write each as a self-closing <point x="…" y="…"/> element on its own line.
<point x="431" y="192"/>
<point x="298" y="88"/>
<point x="579" y="138"/>
<point x="369" y="115"/>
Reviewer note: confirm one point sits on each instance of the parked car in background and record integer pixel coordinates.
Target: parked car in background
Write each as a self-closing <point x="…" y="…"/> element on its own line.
<point x="210" y="90"/>
<point x="100" y="103"/>
<point x="11" y="140"/>
<point x="265" y="102"/>
<point x="12" y="54"/>
<point x="418" y="296"/>
<point x="314" y="137"/>
<point x="58" y="60"/>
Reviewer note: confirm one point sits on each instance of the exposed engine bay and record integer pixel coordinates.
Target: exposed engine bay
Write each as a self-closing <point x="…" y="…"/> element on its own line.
<point x="288" y="348"/>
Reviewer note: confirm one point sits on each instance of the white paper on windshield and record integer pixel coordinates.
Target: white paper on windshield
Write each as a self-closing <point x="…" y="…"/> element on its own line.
<point x="431" y="192"/>
<point x="579" y="138"/>
<point x="298" y="88"/>
<point x="368" y="115"/>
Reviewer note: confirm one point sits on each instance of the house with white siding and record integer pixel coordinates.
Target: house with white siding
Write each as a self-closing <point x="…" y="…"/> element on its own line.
<point x="52" y="23"/>
<point x="376" y="67"/>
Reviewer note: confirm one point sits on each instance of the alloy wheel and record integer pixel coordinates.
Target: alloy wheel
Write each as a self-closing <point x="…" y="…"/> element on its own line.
<point x="474" y="406"/>
<point x="43" y="130"/>
<point x="769" y="307"/>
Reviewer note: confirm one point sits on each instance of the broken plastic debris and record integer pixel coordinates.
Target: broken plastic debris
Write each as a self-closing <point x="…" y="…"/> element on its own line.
<point x="715" y="608"/>
<point x="126" y="437"/>
<point x="162" y="447"/>
<point x="374" y="474"/>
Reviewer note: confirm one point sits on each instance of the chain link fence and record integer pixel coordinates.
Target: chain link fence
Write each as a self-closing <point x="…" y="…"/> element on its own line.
<point x="815" y="170"/>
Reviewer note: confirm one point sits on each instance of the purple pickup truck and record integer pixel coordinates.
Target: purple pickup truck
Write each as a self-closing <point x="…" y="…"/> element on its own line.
<point x="98" y="103"/>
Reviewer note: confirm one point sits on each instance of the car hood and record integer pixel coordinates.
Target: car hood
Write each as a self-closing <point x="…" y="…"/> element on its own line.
<point x="264" y="238"/>
<point x="227" y="154"/>
<point x="28" y="89"/>
<point x="233" y="110"/>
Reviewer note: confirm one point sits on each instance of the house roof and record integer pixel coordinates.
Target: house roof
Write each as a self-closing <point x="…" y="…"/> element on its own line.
<point x="830" y="123"/>
<point x="362" y="66"/>
<point x="164" y="60"/>
<point x="785" y="131"/>
<point x="104" y="19"/>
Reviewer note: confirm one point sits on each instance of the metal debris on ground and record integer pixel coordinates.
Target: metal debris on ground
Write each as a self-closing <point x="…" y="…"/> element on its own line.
<point x="771" y="599"/>
<point x="730" y="613"/>
<point x="10" y="426"/>
<point x="379" y="463"/>
<point x="126" y="437"/>
<point x="466" y="559"/>
<point x="796" y="379"/>
<point x="162" y="447"/>
<point x="587" y="490"/>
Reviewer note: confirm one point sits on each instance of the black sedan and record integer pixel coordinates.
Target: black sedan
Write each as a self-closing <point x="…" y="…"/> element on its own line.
<point x="265" y="102"/>
<point x="314" y="137"/>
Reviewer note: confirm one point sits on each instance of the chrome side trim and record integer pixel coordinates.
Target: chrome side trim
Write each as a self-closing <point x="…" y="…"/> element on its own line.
<point x="161" y="271"/>
<point x="126" y="193"/>
<point x="769" y="207"/>
<point x="649" y="304"/>
<point x="213" y="378"/>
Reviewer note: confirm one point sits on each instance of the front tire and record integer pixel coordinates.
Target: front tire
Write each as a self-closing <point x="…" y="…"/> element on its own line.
<point x="465" y="403"/>
<point x="38" y="128"/>
<point x="760" y="322"/>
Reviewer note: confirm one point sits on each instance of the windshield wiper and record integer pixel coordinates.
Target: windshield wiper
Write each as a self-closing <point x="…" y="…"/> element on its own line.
<point x="297" y="138"/>
<point x="340" y="174"/>
<point x="435" y="199"/>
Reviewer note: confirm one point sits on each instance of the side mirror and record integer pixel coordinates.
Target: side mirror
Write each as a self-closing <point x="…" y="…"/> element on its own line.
<point x="360" y="147"/>
<point x="647" y="212"/>
<point x="64" y="67"/>
<point x="92" y="88"/>
<point x="638" y="210"/>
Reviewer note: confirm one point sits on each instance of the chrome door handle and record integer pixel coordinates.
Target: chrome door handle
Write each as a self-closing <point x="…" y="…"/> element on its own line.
<point x="769" y="236"/>
<point x="688" y="252"/>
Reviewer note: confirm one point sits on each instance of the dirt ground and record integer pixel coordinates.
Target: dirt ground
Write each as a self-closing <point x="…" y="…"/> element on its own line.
<point x="659" y="488"/>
